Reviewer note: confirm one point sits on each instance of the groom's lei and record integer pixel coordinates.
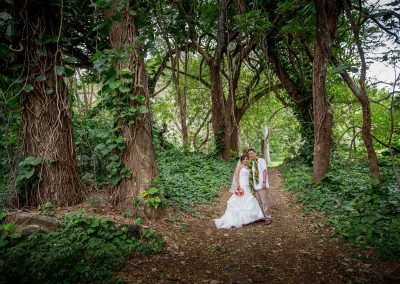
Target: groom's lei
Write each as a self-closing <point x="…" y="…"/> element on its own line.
<point x="250" y="167"/>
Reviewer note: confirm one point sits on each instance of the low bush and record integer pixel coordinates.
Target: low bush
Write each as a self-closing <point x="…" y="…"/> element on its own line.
<point x="85" y="249"/>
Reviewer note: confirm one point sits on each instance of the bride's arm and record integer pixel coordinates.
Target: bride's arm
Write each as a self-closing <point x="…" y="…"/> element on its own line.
<point x="238" y="168"/>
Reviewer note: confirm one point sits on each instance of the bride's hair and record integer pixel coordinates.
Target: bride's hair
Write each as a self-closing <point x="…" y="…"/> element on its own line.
<point x="243" y="157"/>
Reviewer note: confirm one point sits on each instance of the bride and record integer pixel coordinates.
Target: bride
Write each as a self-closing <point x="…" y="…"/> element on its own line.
<point x="242" y="207"/>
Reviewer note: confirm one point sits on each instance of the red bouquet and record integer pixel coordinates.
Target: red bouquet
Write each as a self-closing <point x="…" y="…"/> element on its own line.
<point x="239" y="192"/>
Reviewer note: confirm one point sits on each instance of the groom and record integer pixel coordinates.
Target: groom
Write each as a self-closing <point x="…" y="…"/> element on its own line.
<point x="262" y="186"/>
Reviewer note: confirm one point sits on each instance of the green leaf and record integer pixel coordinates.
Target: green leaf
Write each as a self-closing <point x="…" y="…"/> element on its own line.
<point x="125" y="71"/>
<point x="95" y="223"/>
<point x="115" y="84"/>
<point x="9" y="30"/>
<point x="41" y="78"/>
<point x="60" y="70"/>
<point x="69" y="71"/>
<point x="34" y="161"/>
<point x="10" y="227"/>
<point x="5" y="16"/>
<point x="124" y="89"/>
<point x="49" y="91"/>
<point x="114" y="158"/>
<point x="143" y="109"/>
<point x="115" y="180"/>
<point x="138" y="221"/>
<point x="28" y="88"/>
<point x="26" y="174"/>
<point x="3" y="215"/>
<point x="99" y="26"/>
<point x="41" y="52"/>
<point x="15" y="235"/>
<point x="71" y="59"/>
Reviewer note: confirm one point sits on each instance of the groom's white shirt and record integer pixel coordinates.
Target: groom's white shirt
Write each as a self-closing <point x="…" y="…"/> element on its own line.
<point x="262" y="166"/>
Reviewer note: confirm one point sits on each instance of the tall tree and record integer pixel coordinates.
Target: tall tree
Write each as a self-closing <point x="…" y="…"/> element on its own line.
<point x="138" y="155"/>
<point x="328" y="12"/>
<point x="225" y="109"/>
<point x="360" y="92"/>
<point x="45" y="104"/>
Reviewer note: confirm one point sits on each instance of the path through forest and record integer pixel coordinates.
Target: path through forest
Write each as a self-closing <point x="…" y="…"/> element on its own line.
<point x="296" y="248"/>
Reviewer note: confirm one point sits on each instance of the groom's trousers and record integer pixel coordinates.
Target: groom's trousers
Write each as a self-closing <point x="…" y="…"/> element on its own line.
<point x="263" y="200"/>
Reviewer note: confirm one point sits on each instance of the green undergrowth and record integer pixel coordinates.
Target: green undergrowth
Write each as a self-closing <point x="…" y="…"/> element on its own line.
<point x="363" y="212"/>
<point x="189" y="178"/>
<point x="85" y="249"/>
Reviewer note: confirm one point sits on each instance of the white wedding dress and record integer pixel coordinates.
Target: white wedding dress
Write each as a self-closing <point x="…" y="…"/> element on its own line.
<point x="243" y="209"/>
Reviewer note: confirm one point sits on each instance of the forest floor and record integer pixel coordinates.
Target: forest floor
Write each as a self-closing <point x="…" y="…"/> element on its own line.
<point x="297" y="247"/>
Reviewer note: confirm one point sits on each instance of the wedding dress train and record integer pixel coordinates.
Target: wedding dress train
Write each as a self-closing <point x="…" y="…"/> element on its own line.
<point x="243" y="209"/>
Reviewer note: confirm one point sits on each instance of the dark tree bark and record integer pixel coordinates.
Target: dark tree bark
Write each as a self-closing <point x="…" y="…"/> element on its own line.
<point x="328" y="12"/>
<point x="221" y="127"/>
<point x="45" y="109"/>
<point x="138" y="155"/>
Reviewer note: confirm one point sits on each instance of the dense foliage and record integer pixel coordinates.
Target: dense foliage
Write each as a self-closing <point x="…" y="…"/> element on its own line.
<point x="189" y="178"/>
<point x="85" y="249"/>
<point x="360" y="210"/>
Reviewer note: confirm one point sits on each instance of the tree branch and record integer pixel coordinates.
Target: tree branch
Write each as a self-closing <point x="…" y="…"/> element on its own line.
<point x="205" y="83"/>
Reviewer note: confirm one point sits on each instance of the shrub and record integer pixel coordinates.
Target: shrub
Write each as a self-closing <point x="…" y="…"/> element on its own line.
<point x="84" y="249"/>
<point x="362" y="211"/>
<point x="187" y="178"/>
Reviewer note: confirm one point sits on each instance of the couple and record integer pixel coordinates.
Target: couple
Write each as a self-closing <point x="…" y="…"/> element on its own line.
<point x="249" y="202"/>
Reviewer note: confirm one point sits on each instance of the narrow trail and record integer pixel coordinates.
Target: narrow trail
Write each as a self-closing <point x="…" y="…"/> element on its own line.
<point x="296" y="248"/>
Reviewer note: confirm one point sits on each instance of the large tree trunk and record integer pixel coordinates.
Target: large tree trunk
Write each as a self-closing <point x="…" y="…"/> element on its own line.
<point x="327" y="15"/>
<point x="46" y="118"/>
<point x="138" y="155"/>
<point x="221" y="126"/>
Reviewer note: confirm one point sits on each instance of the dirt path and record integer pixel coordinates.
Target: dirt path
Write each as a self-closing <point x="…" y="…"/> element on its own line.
<point x="295" y="248"/>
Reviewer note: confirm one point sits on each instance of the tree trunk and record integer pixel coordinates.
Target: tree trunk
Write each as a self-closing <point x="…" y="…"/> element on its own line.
<point x="220" y="121"/>
<point x="185" y="134"/>
<point x="327" y="15"/>
<point x="234" y="139"/>
<point x="366" y="134"/>
<point x="138" y="155"/>
<point x="180" y="98"/>
<point x="218" y="112"/>
<point x="364" y="100"/>
<point x="46" y="117"/>
<point x="265" y="148"/>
